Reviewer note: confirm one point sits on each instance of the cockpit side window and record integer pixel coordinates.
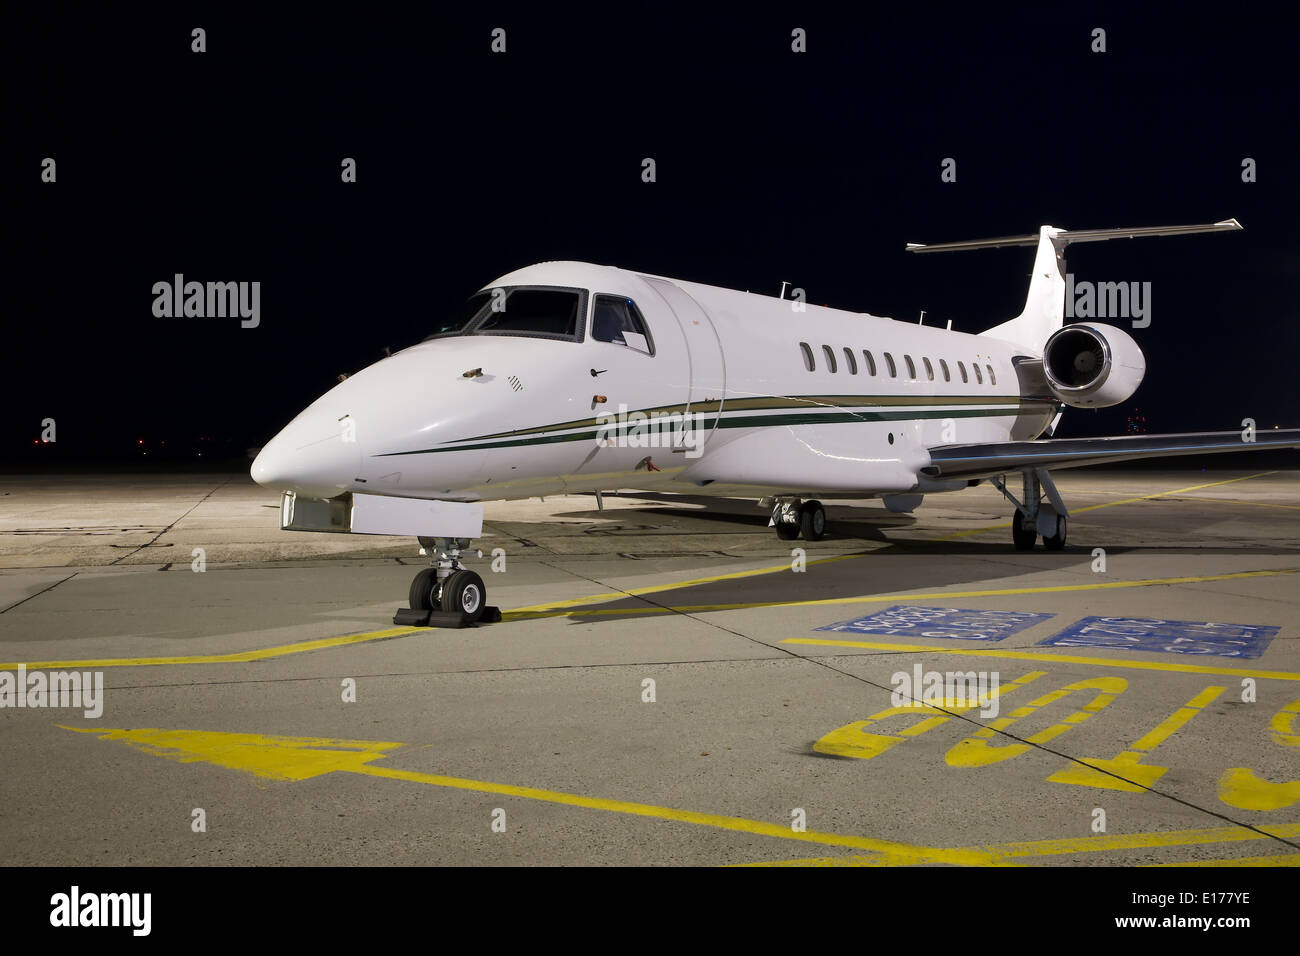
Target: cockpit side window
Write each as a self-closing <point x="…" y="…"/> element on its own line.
<point x="547" y="312"/>
<point x="617" y="320"/>
<point x="456" y="323"/>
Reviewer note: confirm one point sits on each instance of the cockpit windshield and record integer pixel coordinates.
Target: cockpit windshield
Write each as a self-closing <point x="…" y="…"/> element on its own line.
<point x="545" y="312"/>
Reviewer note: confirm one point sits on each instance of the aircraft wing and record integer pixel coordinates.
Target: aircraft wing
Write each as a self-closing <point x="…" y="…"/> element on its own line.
<point x="995" y="458"/>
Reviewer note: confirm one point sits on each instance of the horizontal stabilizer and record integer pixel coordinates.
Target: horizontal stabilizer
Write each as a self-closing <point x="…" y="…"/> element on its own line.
<point x="1063" y="237"/>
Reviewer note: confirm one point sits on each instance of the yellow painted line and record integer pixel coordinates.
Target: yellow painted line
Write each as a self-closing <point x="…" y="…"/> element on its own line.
<point x="1238" y="501"/>
<point x="888" y="850"/>
<point x="236" y="657"/>
<point x="1176" y="491"/>
<point x="1112" y="504"/>
<point x="1102" y="843"/>
<point x="848" y="860"/>
<point x="530" y="614"/>
<point x="657" y="588"/>
<point x="1281" y="859"/>
<point x="1055" y="658"/>
<point x="1140" y="841"/>
<point x="300" y="758"/>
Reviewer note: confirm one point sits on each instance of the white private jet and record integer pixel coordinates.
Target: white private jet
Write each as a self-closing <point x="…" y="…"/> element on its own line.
<point x="569" y="377"/>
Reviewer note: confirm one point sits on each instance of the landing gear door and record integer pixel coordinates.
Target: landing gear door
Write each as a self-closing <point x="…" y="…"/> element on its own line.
<point x="708" y="369"/>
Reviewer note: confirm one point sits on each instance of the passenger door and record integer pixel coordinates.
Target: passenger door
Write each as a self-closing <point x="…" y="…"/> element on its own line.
<point x="707" y="367"/>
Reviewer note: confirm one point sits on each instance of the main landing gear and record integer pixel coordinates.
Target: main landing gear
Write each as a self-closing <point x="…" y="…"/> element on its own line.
<point x="794" y="517"/>
<point x="447" y="594"/>
<point x="1033" y="515"/>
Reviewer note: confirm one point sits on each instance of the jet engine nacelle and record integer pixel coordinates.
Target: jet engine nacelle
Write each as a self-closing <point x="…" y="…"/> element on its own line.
<point x="1091" y="365"/>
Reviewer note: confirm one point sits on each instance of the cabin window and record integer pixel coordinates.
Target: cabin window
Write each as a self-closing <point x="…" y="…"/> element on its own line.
<point x="871" y="361"/>
<point x="993" y="379"/>
<point x="979" y="376"/>
<point x="830" y="358"/>
<point x="943" y="366"/>
<point x="617" y="320"/>
<point x="808" y="362"/>
<point x="929" y="369"/>
<point x="851" y="360"/>
<point x="893" y="369"/>
<point x="547" y="312"/>
<point x="961" y="367"/>
<point x="911" y="367"/>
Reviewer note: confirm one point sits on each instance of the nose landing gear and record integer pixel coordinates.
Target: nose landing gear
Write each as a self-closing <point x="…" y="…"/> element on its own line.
<point x="447" y="594"/>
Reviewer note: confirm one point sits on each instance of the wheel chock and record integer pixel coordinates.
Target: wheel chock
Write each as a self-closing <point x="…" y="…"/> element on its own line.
<point x="412" y="617"/>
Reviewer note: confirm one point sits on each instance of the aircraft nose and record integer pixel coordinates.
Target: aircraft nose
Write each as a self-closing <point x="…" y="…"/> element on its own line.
<point x="314" y="456"/>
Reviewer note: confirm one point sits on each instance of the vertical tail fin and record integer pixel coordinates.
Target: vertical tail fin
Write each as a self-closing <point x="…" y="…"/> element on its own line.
<point x="1044" y="310"/>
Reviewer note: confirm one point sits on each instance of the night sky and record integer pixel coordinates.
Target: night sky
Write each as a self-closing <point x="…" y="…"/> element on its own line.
<point x="815" y="168"/>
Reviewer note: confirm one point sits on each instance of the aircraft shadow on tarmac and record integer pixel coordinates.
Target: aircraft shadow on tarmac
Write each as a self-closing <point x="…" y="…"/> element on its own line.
<point x="902" y="564"/>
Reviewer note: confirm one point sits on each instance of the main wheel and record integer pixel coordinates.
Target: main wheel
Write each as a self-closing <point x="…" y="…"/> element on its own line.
<point x="463" y="592"/>
<point x="812" y="520"/>
<point x="424" y="590"/>
<point x="1023" y="537"/>
<point x="787" y="530"/>
<point x="1057" y="541"/>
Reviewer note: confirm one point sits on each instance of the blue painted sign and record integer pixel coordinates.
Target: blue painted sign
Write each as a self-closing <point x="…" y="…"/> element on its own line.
<point x="908" y="620"/>
<point x="1168" y="637"/>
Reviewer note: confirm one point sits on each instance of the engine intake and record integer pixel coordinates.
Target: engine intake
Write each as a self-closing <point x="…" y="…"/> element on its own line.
<point x="1091" y="365"/>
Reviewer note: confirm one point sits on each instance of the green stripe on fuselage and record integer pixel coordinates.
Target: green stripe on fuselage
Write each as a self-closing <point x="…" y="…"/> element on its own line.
<point x="516" y="439"/>
<point x="768" y="402"/>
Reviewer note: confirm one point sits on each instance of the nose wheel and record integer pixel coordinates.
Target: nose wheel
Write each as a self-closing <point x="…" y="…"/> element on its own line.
<point x="424" y="590"/>
<point x="447" y="594"/>
<point x="463" y="592"/>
